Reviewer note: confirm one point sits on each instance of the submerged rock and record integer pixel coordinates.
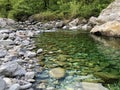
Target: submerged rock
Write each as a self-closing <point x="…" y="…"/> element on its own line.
<point x="107" y="77"/>
<point x="92" y="86"/>
<point x="57" y="73"/>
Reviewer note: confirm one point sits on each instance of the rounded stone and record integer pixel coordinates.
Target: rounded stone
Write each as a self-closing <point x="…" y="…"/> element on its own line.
<point x="57" y="73"/>
<point x="15" y="87"/>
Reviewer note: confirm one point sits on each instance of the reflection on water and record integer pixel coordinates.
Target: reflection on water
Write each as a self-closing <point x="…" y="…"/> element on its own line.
<point x="108" y="41"/>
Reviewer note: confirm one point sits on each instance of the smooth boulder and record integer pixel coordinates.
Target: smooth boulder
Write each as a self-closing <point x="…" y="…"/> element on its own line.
<point x="111" y="28"/>
<point x="92" y="86"/>
<point x="57" y="73"/>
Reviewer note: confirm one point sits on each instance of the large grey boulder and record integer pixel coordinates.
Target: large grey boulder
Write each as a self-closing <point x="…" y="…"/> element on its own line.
<point x="6" y="22"/>
<point x="12" y="69"/>
<point x="2" y="84"/>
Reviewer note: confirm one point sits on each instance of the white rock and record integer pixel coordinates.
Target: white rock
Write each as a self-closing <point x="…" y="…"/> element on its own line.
<point x="74" y="22"/>
<point x="15" y="87"/>
<point x="30" y="54"/>
<point x="65" y="27"/>
<point x="21" y="34"/>
<point x="8" y="81"/>
<point x="73" y="28"/>
<point x="39" y="51"/>
<point x="4" y="36"/>
<point x="31" y="80"/>
<point x="93" y="20"/>
<point x="30" y="75"/>
<point x="59" y="24"/>
<point x="4" y="31"/>
<point x="50" y="88"/>
<point x="12" y="36"/>
<point x="30" y="33"/>
<point x="41" y="86"/>
<point x="86" y="27"/>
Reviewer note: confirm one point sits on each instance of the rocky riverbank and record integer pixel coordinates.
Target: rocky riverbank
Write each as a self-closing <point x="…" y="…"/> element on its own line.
<point x="17" y="60"/>
<point x="19" y="66"/>
<point x="75" y="24"/>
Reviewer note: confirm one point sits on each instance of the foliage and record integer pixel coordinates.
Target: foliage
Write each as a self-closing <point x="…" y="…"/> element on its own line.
<point x="22" y="9"/>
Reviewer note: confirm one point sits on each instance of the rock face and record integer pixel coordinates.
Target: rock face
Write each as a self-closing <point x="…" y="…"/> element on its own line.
<point x="57" y="73"/>
<point x="111" y="28"/>
<point x="112" y="12"/>
<point x="107" y="22"/>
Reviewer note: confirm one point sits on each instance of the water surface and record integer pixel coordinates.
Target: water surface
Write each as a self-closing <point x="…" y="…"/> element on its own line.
<point x="81" y="54"/>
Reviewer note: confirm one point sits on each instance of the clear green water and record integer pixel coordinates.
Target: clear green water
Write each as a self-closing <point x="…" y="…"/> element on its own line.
<point x="82" y="53"/>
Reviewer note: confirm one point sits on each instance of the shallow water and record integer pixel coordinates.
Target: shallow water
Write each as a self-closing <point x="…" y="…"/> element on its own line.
<point x="81" y="54"/>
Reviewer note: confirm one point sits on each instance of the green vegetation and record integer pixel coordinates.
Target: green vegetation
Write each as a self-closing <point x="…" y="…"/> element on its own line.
<point x="51" y="9"/>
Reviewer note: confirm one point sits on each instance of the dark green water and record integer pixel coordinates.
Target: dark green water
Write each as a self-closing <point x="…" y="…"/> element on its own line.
<point x="83" y="53"/>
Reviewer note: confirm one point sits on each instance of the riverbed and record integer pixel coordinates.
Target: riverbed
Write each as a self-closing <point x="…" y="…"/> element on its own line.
<point x="85" y="57"/>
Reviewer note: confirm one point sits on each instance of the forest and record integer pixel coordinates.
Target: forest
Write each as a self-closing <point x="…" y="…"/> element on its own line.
<point x="51" y="9"/>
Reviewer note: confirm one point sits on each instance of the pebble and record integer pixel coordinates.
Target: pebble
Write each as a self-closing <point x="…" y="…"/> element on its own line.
<point x="39" y="51"/>
<point x="30" y="75"/>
